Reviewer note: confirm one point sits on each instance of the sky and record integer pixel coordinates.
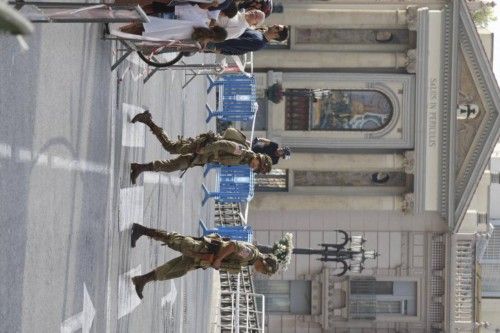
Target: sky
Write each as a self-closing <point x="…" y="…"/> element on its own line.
<point x="495" y="28"/>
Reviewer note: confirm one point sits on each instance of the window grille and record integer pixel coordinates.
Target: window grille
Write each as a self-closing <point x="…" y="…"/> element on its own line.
<point x="371" y="287"/>
<point x="438" y="255"/>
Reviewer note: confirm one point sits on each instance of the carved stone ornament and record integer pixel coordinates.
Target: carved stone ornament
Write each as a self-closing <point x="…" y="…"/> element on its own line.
<point x="467" y="111"/>
<point x="411" y="61"/>
<point x="408" y="203"/>
<point x="411" y="17"/>
<point x="409" y="162"/>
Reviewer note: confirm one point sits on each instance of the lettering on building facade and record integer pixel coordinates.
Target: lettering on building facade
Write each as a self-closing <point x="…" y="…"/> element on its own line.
<point x="432" y="113"/>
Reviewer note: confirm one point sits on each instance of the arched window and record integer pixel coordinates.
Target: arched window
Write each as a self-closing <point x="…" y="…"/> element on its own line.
<point x="336" y="110"/>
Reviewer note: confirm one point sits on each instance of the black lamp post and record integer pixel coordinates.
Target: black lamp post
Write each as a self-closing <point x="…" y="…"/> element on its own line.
<point x="351" y="257"/>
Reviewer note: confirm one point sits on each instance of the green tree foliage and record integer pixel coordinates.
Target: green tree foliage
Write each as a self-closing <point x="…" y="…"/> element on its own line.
<point x="483" y="16"/>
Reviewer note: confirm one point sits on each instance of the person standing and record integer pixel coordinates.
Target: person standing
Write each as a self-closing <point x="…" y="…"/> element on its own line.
<point x="237" y="25"/>
<point x="250" y="41"/>
<point x="271" y="149"/>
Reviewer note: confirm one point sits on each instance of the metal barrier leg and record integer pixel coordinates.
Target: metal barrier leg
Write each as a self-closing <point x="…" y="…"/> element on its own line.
<point x="207" y="194"/>
<point x="193" y="76"/>
<point x="212" y="84"/>
<point x="203" y="227"/>
<point x="210" y="113"/>
<point x="206" y="171"/>
<point x="150" y="75"/>
<point x="209" y="167"/>
<point x="121" y="59"/>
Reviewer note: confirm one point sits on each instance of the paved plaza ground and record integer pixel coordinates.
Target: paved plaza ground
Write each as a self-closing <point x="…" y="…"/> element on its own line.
<point x="66" y="202"/>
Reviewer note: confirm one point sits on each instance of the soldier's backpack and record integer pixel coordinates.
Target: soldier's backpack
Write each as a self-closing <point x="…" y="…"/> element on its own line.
<point x="232" y="134"/>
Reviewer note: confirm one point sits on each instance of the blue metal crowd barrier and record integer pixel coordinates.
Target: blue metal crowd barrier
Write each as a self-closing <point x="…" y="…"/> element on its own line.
<point x="234" y="232"/>
<point x="239" y="98"/>
<point x="235" y="184"/>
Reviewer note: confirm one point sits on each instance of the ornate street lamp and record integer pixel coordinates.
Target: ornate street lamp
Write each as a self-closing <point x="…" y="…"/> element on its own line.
<point x="350" y="252"/>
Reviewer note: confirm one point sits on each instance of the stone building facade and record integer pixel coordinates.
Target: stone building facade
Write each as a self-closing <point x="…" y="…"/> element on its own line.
<point x="392" y="111"/>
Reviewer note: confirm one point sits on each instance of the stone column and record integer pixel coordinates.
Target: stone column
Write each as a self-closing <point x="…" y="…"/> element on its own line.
<point x="331" y="16"/>
<point x="282" y="59"/>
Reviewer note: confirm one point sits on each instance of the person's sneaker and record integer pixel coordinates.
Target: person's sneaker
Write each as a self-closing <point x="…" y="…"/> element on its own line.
<point x="142" y="117"/>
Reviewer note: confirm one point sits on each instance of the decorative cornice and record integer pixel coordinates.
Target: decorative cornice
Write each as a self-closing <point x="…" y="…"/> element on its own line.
<point x="489" y="131"/>
<point x="446" y="93"/>
<point x="452" y="120"/>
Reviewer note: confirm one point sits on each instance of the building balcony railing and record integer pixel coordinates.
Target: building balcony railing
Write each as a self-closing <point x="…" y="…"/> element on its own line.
<point x="463" y="283"/>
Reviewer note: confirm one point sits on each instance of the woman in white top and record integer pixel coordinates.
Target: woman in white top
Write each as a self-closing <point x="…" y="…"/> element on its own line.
<point x="237" y="25"/>
<point x="192" y="23"/>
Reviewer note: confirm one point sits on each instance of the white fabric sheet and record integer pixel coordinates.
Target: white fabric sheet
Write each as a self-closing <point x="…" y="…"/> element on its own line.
<point x="167" y="29"/>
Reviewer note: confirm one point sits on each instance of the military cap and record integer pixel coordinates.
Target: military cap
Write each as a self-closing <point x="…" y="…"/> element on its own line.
<point x="266" y="163"/>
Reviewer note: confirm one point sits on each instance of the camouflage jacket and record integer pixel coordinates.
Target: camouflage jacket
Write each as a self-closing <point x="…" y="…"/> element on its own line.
<point x="245" y="255"/>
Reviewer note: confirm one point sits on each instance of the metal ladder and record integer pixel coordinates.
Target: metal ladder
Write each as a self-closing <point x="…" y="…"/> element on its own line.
<point x="249" y="318"/>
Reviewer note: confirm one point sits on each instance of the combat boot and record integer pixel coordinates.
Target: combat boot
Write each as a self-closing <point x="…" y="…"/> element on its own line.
<point x="141" y="280"/>
<point x="139" y="230"/>
<point x="147" y="119"/>
<point x="144" y="118"/>
<point x="136" y="169"/>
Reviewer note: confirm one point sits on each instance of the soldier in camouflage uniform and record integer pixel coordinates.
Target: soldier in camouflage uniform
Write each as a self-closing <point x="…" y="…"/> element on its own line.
<point x="201" y="252"/>
<point x="229" y="149"/>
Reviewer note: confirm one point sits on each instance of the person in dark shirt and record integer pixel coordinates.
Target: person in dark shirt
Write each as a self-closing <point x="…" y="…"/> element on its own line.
<point x="270" y="148"/>
<point x="250" y="40"/>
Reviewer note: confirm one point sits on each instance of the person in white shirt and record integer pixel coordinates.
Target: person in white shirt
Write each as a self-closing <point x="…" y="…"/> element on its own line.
<point x="237" y="25"/>
<point x="192" y="23"/>
<point x="166" y="29"/>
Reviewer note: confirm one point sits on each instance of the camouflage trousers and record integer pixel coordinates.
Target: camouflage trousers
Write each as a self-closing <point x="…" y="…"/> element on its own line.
<point x="182" y="146"/>
<point x="181" y="162"/>
<point x="188" y="261"/>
